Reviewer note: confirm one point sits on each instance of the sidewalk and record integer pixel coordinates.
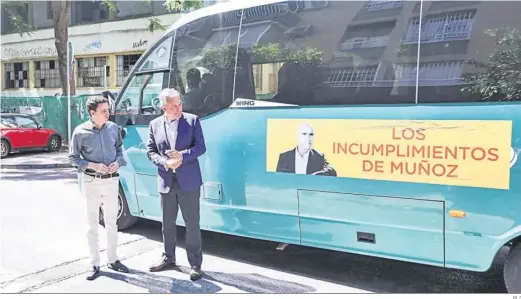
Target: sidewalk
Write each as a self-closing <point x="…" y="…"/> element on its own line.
<point x="220" y="276"/>
<point x="37" y="160"/>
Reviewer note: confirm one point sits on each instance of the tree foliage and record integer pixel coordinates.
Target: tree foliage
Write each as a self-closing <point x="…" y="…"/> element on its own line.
<point x="14" y="11"/>
<point x="268" y="53"/>
<point x="499" y="78"/>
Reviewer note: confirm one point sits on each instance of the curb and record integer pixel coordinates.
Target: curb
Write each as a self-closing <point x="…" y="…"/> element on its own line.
<point x="37" y="166"/>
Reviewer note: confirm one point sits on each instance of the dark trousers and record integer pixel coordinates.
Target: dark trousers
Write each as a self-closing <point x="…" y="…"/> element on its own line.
<point x="188" y="201"/>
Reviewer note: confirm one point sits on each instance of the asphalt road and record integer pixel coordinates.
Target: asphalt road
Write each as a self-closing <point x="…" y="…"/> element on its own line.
<point x="44" y="250"/>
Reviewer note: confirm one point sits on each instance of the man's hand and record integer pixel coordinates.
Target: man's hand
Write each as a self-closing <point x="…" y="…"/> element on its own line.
<point x="173" y="154"/>
<point x="172" y="163"/>
<point x="113" y="167"/>
<point x="99" y="167"/>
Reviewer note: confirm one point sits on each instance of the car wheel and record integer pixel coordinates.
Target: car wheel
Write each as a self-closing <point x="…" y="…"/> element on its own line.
<point x="54" y="144"/>
<point x="5" y="148"/>
<point x="124" y="219"/>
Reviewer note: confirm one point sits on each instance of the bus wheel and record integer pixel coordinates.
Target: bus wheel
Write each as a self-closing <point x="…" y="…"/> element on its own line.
<point x="125" y="219"/>
<point x="512" y="270"/>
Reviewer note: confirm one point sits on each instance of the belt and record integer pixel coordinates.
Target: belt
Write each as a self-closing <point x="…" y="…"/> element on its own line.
<point x="103" y="176"/>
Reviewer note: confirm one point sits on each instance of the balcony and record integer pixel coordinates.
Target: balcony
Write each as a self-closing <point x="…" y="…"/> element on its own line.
<point x="441" y="73"/>
<point x="364" y="42"/>
<point x="349" y="77"/>
<point x="457" y="26"/>
<point x="381" y="5"/>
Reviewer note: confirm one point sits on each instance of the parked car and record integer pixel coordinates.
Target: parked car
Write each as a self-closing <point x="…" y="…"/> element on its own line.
<point x="20" y="132"/>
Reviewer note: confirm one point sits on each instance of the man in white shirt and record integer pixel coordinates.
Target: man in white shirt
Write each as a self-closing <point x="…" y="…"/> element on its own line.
<point x="303" y="159"/>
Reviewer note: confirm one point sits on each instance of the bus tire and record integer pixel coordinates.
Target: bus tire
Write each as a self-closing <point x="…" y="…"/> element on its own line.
<point x="125" y="219"/>
<point x="512" y="269"/>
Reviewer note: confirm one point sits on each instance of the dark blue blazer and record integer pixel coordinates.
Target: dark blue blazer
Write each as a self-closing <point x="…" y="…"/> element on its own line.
<point x="189" y="142"/>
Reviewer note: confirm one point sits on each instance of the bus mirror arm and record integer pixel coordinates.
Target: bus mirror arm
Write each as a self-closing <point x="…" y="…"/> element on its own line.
<point x="123" y="132"/>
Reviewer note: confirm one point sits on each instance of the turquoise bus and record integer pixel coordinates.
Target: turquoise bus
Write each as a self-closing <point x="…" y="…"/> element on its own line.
<point x="382" y="128"/>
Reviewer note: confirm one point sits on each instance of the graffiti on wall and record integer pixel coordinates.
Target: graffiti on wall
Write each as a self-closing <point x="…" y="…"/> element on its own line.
<point x="29" y="52"/>
<point x="92" y="45"/>
<point x="81" y="109"/>
<point x="139" y="43"/>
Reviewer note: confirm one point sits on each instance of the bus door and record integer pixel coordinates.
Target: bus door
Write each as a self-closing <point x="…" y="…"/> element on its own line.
<point x="138" y="105"/>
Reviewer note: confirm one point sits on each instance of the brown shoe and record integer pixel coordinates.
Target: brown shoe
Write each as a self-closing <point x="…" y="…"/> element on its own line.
<point x="163" y="264"/>
<point x="195" y="273"/>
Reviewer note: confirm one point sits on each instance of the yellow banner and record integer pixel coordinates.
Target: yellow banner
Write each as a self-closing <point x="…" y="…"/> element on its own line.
<point x="452" y="152"/>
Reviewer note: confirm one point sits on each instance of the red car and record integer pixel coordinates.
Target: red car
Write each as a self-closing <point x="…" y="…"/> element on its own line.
<point x="20" y="132"/>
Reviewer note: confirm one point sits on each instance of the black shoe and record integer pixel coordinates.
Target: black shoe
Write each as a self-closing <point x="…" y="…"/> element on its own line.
<point x="163" y="264"/>
<point x="195" y="273"/>
<point x="118" y="266"/>
<point x="93" y="273"/>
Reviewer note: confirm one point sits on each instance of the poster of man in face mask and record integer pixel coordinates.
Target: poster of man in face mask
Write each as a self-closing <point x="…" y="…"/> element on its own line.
<point x="303" y="159"/>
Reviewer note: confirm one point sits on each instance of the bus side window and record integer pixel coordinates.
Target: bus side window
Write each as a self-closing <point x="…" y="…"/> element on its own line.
<point x="324" y="53"/>
<point x="203" y="63"/>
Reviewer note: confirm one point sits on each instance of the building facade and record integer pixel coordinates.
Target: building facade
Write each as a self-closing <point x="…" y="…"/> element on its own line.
<point x="106" y="45"/>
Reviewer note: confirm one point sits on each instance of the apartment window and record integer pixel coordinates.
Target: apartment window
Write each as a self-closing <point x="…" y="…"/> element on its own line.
<point x="16" y="74"/>
<point x="440" y="73"/>
<point x="124" y="64"/>
<point x="46" y="74"/>
<point x="91" y="71"/>
<point x="381" y="5"/>
<point x="448" y="27"/>
<point x="87" y="11"/>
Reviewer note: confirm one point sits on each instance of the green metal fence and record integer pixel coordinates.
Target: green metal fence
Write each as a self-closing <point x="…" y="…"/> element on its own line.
<point x="50" y="111"/>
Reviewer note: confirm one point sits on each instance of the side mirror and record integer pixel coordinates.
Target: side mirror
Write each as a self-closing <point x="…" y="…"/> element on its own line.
<point x="123" y="132"/>
<point x="38" y="127"/>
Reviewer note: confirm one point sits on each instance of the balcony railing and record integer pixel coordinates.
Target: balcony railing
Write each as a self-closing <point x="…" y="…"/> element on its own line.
<point x="445" y="73"/>
<point x="431" y="74"/>
<point x="352" y="77"/>
<point x="382" y="5"/>
<point x="457" y="26"/>
<point x="362" y="43"/>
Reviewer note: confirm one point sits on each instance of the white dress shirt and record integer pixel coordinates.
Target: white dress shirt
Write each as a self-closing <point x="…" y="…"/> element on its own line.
<point x="171" y="132"/>
<point x="301" y="162"/>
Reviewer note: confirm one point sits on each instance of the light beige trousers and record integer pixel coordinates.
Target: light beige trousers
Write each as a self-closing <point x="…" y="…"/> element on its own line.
<point x="96" y="191"/>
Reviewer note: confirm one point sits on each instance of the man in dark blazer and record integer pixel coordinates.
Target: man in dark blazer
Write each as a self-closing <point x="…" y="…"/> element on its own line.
<point x="175" y="142"/>
<point x="303" y="159"/>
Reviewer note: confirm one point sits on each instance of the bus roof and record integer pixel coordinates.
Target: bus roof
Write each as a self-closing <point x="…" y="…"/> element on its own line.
<point x="216" y="9"/>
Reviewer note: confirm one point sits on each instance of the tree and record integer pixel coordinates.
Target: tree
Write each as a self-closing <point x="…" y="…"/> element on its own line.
<point x="500" y="77"/>
<point x="61" y="36"/>
<point x="61" y="11"/>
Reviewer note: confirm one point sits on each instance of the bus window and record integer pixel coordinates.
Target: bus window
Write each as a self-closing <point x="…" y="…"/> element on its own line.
<point x="159" y="57"/>
<point x="203" y="62"/>
<point x="139" y="96"/>
<point x="129" y="103"/>
<point x="469" y="51"/>
<point x="329" y="53"/>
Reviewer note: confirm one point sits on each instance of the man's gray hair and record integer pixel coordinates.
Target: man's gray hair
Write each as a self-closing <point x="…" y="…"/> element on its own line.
<point x="168" y="93"/>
